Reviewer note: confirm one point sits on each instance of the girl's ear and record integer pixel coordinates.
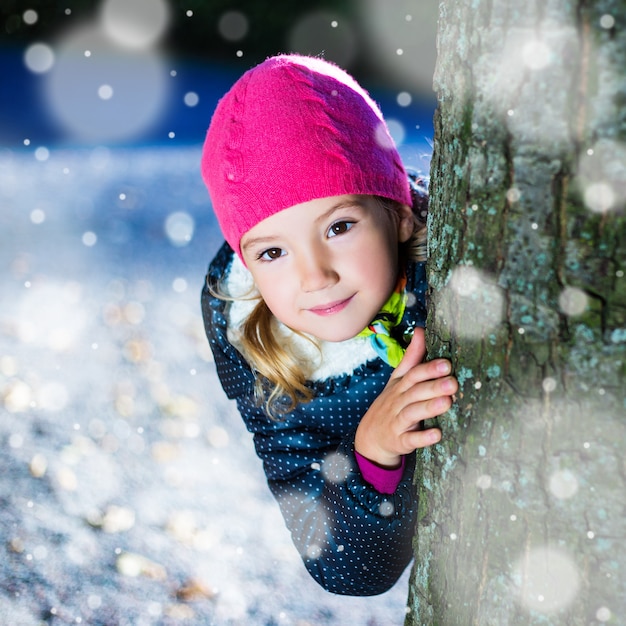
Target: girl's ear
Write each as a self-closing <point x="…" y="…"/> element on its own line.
<point x="406" y="223"/>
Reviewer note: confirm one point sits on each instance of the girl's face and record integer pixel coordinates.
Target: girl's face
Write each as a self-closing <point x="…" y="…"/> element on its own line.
<point x="327" y="266"/>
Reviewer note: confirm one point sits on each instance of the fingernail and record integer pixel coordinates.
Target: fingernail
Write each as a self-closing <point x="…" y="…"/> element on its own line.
<point x="449" y="385"/>
<point x="443" y="367"/>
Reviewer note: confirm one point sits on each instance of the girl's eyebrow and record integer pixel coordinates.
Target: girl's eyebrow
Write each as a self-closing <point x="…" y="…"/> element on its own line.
<point x="344" y="204"/>
<point x="257" y="241"/>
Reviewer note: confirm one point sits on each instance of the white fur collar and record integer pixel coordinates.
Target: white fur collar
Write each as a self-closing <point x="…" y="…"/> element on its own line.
<point x="332" y="358"/>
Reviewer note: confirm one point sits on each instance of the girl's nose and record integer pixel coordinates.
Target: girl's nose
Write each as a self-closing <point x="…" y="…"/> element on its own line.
<point x="316" y="272"/>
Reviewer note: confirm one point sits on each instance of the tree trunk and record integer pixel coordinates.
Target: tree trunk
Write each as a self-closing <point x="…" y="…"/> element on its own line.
<point x="522" y="507"/>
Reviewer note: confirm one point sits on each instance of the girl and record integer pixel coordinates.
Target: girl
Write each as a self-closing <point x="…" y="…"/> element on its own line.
<point x="309" y="307"/>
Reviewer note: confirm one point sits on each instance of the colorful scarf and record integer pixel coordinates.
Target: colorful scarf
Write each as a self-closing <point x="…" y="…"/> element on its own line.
<point x="379" y="329"/>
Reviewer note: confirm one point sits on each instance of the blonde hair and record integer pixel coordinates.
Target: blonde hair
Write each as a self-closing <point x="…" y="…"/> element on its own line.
<point x="280" y="379"/>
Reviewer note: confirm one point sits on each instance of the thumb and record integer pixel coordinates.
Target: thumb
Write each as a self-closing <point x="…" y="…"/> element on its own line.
<point x="414" y="354"/>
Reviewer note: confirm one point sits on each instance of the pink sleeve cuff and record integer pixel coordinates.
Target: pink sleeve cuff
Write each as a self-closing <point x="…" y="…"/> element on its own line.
<point x="383" y="480"/>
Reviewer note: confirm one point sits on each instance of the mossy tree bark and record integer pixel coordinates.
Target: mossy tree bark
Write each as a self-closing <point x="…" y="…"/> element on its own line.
<point x="522" y="506"/>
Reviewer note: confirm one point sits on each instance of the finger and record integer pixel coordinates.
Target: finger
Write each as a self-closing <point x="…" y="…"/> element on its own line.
<point x="430" y="388"/>
<point x="427" y="371"/>
<point x="420" y="439"/>
<point x="414" y="414"/>
<point x="414" y="354"/>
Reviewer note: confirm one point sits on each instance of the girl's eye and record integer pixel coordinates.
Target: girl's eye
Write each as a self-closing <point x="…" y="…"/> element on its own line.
<point x="339" y="228"/>
<point x="270" y="254"/>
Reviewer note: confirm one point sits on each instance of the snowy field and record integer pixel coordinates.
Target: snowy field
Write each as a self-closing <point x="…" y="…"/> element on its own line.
<point x="130" y="491"/>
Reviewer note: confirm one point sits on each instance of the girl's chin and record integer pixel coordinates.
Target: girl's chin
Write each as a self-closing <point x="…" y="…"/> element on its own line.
<point x="336" y="337"/>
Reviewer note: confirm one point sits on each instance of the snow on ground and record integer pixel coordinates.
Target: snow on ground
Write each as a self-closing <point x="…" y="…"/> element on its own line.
<point x="130" y="493"/>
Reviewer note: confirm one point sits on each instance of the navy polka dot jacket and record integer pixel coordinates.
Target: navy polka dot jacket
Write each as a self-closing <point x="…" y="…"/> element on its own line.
<point x="352" y="539"/>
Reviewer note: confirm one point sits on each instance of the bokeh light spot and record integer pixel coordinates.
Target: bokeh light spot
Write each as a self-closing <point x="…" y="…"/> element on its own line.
<point x="179" y="285"/>
<point x="313" y="551"/>
<point x="39" y="58"/>
<point x="218" y="437"/>
<point x="233" y="26"/>
<point x="30" y="17"/>
<point x="89" y="239"/>
<point x="607" y="21"/>
<point x="599" y="197"/>
<point x="105" y="92"/>
<point x="336" y="467"/>
<point x="314" y="34"/>
<point x="573" y="301"/>
<point x="484" y="481"/>
<point x="548" y="384"/>
<point x="191" y="99"/>
<point x="602" y="176"/>
<point x="37" y="216"/>
<point x="179" y="228"/>
<point x="396" y="130"/>
<point x="17" y="397"/>
<point x="404" y="99"/>
<point x="386" y="508"/>
<point x="513" y="195"/>
<point x="471" y="303"/>
<point x="536" y="54"/>
<point x="73" y="88"/>
<point x="398" y="33"/>
<point x="563" y="484"/>
<point x="548" y="579"/>
<point x="383" y="137"/>
<point x="42" y="154"/>
<point x="135" y="23"/>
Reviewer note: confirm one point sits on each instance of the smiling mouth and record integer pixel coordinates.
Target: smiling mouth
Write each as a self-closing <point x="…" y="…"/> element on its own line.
<point x="331" y="308"/>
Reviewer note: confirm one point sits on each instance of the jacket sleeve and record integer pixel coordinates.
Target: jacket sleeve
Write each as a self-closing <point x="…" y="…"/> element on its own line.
<point x="352" y="539"/>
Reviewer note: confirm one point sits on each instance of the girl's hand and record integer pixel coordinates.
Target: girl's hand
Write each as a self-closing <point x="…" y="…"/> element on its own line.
<point x="415" y="392"/>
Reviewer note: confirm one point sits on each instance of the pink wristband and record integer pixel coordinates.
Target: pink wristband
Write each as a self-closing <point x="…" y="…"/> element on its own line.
<point x="383" y="480"/>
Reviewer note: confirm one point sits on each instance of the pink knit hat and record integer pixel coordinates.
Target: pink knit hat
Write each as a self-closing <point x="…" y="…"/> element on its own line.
<point x="290" y="130"/>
